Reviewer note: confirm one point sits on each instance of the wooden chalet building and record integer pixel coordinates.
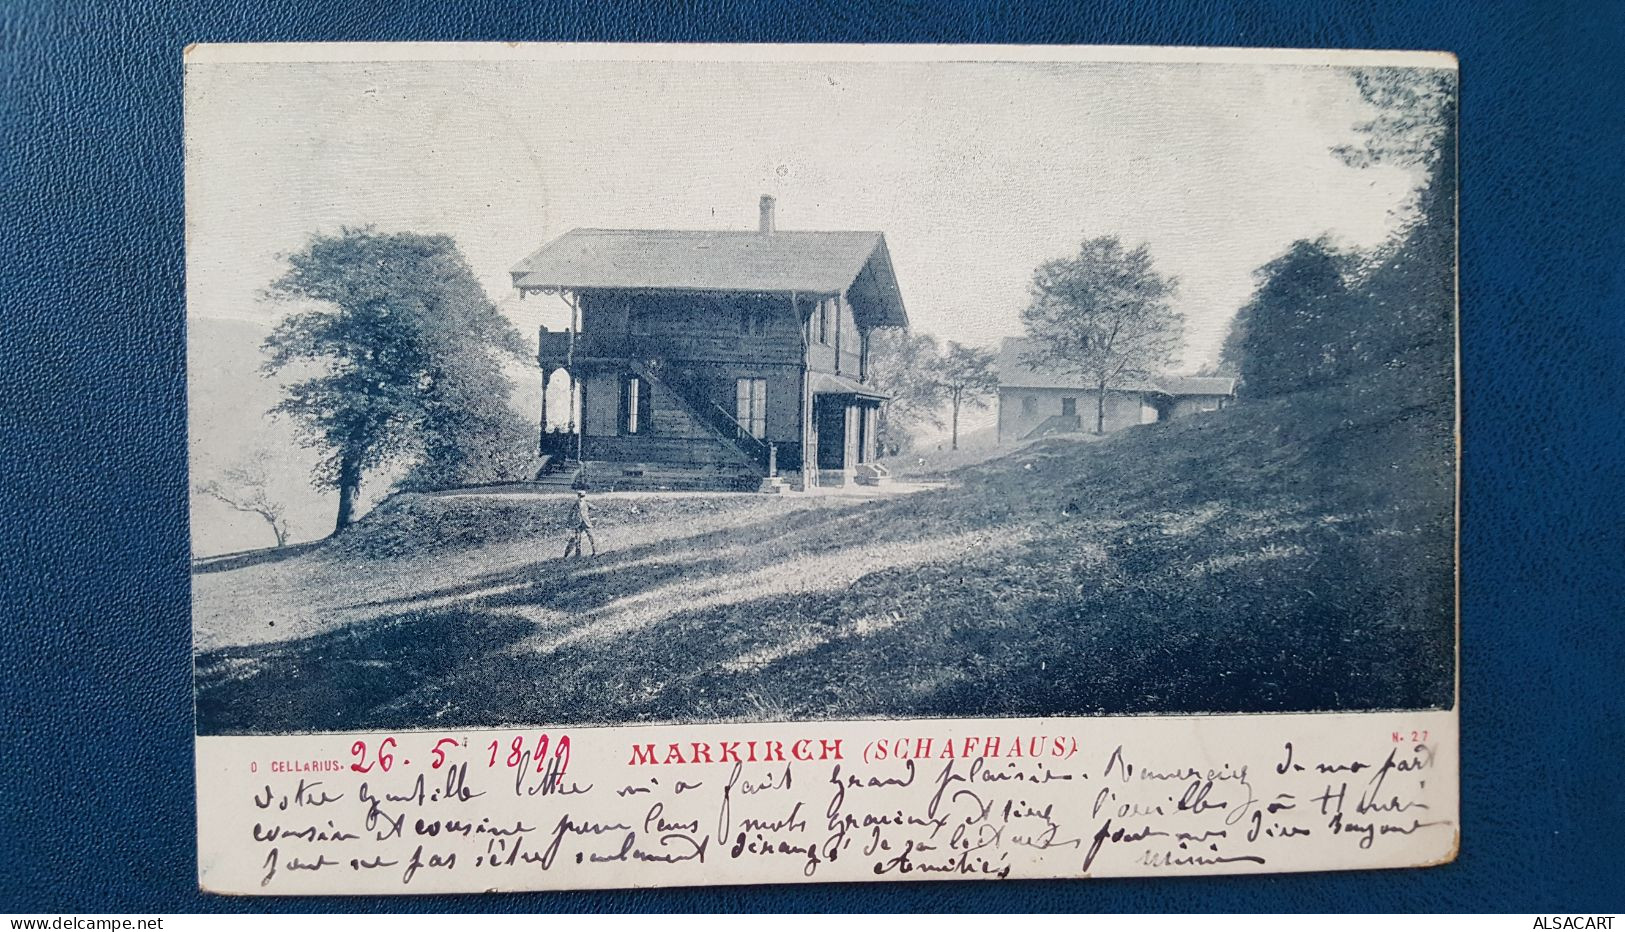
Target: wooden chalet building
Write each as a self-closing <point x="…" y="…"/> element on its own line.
<point x="714" y="359"/>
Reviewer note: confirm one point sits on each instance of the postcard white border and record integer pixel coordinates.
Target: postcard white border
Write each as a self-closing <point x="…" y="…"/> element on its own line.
<point x="312" y="52"/>
<point x="232" y="771"/>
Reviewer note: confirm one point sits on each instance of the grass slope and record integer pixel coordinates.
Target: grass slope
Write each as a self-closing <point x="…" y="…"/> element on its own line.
<point x="1292" y="554"/>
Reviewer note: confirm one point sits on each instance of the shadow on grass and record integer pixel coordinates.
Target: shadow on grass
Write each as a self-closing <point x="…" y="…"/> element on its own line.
<point x="246" y="558"/>
<point x="584" y="585"/>
<point x="394" y="669"/>
<point x="338" y="680"/>
<point x="1019" y="630"/>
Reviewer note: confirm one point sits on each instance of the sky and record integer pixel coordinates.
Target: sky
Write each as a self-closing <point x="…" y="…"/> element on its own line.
<point x="976" y="172"/>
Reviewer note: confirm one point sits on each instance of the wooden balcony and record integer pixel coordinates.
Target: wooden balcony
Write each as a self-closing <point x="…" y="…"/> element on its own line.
<point x="558" y="348"/>
<point x="554" y="348"/>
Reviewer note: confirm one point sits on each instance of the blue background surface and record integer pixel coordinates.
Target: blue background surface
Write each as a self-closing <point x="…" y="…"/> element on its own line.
<point x="96" y="766"/>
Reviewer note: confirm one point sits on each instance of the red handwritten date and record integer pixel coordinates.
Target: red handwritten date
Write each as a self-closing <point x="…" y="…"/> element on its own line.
<point x="517" y="756"/>
<point x="521" y="752"/>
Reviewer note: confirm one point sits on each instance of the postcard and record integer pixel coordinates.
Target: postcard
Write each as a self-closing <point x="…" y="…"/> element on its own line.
<point x="653" y="465"/>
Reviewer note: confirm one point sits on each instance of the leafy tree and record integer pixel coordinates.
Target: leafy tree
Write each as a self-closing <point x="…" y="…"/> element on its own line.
<point x="245" y="487"/>
<point x="469" y="444"/>
<point x="903" y="365"/>
<point x="1235" y="340"/>
<point x="1320" y="314"/>
<point x="1414" y="123"/>
<point x="1409" y="285"/>
<point x="1105" y="315"/>
<point x="406" y="351"/>
<point x="1295" y="331"/>
<point x="967" y="377"/>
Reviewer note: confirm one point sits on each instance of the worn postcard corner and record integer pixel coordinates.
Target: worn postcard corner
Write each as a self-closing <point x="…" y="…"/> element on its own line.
<point x="629" y="466"/>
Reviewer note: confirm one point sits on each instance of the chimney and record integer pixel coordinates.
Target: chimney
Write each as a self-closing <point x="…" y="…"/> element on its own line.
<point x="767" y="214"/>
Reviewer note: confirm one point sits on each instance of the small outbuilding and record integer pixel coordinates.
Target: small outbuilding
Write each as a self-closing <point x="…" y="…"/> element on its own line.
<point x="1038" y="401"/>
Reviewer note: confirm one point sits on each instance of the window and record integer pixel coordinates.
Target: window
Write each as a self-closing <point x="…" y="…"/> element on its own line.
<point x="750" y="403"/>
<point x="1069" y="407"/>
<point x="825" y="309"/>
<point x="1029" y="405"/>
<point x="634" y="405"/>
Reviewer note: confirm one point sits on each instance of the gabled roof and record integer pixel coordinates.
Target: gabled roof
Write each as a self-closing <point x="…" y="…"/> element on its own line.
<point x="786" y="261"/>
<point x="1016" y="372"/>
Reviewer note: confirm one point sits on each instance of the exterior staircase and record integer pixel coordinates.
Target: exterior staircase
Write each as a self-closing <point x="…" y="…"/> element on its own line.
<point x="603" y="476"/>
<point x="666" y="477"/>
<point x="1059" y="424"/>
<point x="749" y="452"/>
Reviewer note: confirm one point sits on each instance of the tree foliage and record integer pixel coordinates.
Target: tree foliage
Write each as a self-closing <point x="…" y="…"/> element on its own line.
<point x="1300" y="326"/>
<point x="1414" y="123"/>
<point x="903" y="365"/>
<point x="1322" y="315"/>
<point x="1409" y="285"/>
<point x="1104" y="314"/>
<point x="967" y="377"/>
<point x="406" y="352"/>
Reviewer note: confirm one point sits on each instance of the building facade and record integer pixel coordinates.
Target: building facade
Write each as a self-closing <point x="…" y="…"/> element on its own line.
<point x="1036" y="401"/>
<point x="718" y="357"/>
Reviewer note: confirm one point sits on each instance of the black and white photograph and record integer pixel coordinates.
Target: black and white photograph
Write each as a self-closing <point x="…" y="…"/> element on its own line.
<point x="635" y="391"/>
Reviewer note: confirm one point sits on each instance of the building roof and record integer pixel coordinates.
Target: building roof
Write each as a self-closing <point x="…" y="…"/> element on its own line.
<point x="1016" y="372"/>
<point x="786" y="261"/>
<point x="824" y="383"/>
<point x="1197" y="385"/>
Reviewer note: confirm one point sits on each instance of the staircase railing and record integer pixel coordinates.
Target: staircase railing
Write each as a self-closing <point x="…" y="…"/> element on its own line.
<point x="1056" y="424"/>
<point x="755" y="451"/>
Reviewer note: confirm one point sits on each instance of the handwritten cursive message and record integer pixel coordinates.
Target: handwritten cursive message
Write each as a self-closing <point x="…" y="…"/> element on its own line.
<point x="424" y="812"/>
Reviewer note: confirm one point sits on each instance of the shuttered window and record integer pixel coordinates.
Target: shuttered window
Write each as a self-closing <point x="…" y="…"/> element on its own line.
<point x="634" y="405"/>
<point x="750" y="402"/>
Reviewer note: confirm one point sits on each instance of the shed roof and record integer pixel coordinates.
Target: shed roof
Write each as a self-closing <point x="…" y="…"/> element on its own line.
<point x="786" y="261"/>
<point x="1016" y="372"/>
<point x="1197" y="385"/>
<point x="825" y="383"/>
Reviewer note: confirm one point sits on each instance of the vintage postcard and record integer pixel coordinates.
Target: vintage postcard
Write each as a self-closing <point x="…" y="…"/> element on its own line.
<point x="622" y="466"/>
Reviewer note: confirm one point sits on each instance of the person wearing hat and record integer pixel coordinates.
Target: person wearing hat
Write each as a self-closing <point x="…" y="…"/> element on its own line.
<point x="583" y="526"/>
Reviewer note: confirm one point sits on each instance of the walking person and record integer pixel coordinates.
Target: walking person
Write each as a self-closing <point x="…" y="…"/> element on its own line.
<point x="583" y="528"/>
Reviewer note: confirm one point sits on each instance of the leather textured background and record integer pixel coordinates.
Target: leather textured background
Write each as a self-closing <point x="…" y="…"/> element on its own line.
<point x="95" y="764"/>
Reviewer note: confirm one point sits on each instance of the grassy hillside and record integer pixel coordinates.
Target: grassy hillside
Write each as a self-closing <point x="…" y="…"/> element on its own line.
<point x="1284" y="555"/>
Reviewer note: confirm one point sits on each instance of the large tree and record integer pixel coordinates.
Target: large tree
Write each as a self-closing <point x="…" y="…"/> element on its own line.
<point x="1409" y="286"/>
<point x="1298" y="330"/>
<point x="903" y="366"/>
<point x="967" y="377"/>
<point x="396" y="354"/>
<point x="1104" y="314"/>
<point x="1321" y="314"/>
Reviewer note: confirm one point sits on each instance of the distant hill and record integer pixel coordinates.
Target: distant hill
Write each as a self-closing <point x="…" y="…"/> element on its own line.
<point x="227" y="401"/>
